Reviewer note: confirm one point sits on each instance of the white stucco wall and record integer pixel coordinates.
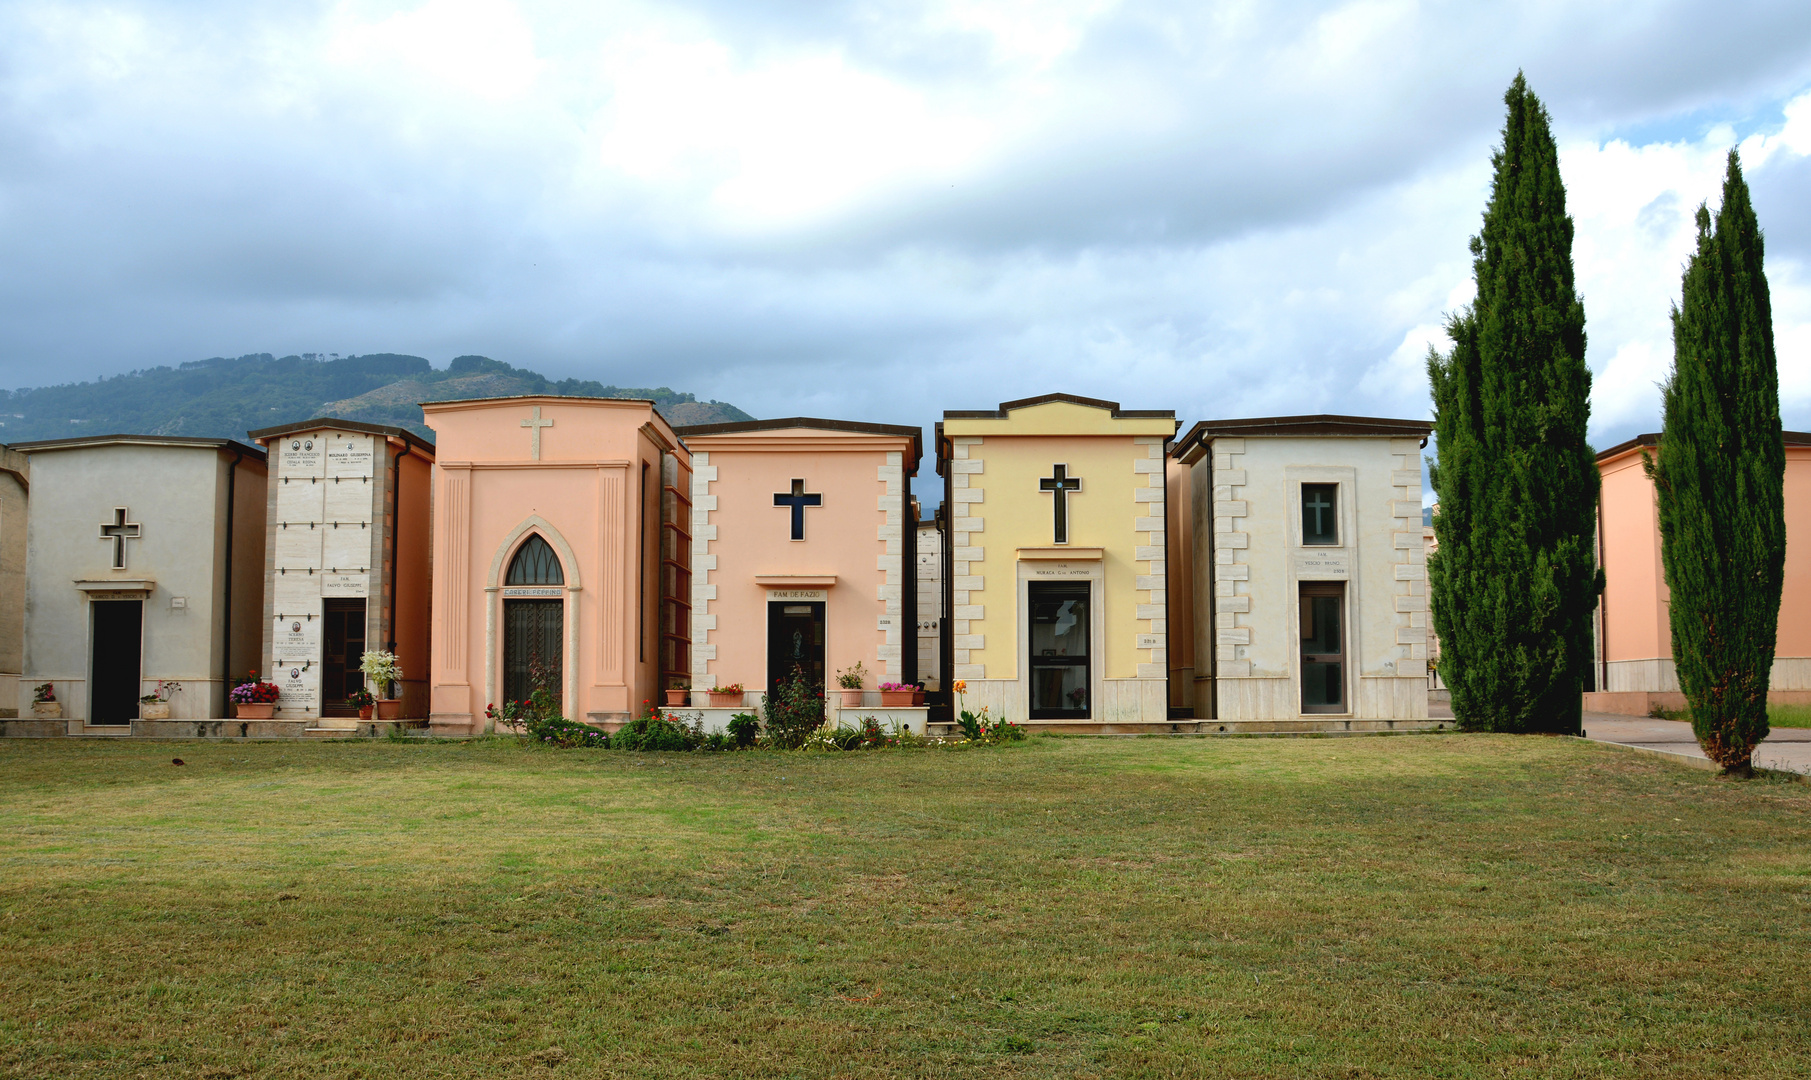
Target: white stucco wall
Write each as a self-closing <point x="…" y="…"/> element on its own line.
<point x="176" y="495"/>
<point x="1256" y="561"/>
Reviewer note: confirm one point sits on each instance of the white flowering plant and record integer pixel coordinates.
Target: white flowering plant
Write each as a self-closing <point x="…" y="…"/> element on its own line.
<point x="381" y="669"/>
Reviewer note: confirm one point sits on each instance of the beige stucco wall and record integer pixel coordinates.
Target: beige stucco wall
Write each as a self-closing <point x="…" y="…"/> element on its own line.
<point x="15" y="473"/>
<point x="1256" y="561"/>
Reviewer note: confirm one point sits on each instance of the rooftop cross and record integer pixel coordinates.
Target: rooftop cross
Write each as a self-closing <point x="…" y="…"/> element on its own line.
<point x="535" y="425"/>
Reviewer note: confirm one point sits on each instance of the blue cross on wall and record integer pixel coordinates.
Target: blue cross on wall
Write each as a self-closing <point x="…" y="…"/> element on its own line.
<point x="798" y="500"/>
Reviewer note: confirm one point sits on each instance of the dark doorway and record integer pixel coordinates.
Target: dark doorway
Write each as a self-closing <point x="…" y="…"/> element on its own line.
<point x="113" y="677"/>
<point x="342" y="650"/>
<point x="795" y="638"/>
<point x="1060" y="633"/>
<point x="1323" y="647"/>
<point x="533" y="647"/>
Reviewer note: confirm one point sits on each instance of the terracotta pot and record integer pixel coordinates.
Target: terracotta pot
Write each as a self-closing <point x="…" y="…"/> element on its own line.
<point x="721" y="700"/>
<point x="156" y="710"/>
<point x="47" y="710"/>
<point x="364" y="712"/>
<point x="851" y="699"/>
<point x="895" y="699"/>
<point x="259" y="710"/>
<point x="917" y="698"/>
<point x="389" y="708"/>
<point x="676" y="698"/>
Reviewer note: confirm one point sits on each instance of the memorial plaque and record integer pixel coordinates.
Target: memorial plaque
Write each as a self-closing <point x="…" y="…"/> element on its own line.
<point x="349" y="455"/>
<point x="1150" y="641"/>
<point x="299" y="688"/>
<point x="345" y="584"/>
<point x="1323" y="566"/>
<point x="346" y="549"/>
<point x="295" y="637"/>
<point x="298" y="546"/>
<point x="301" y="455"/>
<point x="521" y="592"/>
<point x="346" y="500"/>
<point x="798" y="594"/>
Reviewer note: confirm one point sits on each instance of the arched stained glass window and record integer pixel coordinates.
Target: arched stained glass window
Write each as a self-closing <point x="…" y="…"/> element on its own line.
<point x="535" y="564"/>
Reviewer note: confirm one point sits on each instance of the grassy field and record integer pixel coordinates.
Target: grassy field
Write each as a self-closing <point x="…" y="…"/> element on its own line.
<point x="1788" y="715"/>
<point x="1454" y="906"/>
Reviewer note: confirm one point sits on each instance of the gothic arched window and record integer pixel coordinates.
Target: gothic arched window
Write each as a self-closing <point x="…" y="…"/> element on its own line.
<point x="535" y="564"/>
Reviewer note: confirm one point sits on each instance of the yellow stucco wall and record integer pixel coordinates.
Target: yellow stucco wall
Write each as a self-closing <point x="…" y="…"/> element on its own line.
<point x="1119" y="510"/>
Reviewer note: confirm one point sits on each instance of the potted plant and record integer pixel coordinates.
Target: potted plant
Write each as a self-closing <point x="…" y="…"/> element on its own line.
<point x="254" y="699"/>
<point x="726" y="697"/>
<point x="383" y="672"/>
<point x="363" y="700"/>
<point x="677" y="691"/>
<point x="917" y="694"/>
<point x="850" y="680"/>
<point x="44" y="703"/>
<point x="156" y="705"/>
<point x="894" y="695"/>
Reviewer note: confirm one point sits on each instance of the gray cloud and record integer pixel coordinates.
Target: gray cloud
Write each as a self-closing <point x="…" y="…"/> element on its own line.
<point x="1223" y="210"/>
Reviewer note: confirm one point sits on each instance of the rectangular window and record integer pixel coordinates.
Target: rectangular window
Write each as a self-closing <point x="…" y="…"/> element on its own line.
<point x="1320" y="514"/>
<point x="1060" y="633"/>
<point x="675" y="569"/>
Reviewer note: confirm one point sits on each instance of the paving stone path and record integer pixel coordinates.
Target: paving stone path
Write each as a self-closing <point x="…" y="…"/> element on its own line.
<point x="1786" y="748"/>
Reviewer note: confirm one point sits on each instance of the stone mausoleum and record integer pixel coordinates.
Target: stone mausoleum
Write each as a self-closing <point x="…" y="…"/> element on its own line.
<point x="802" y="559"/>
<point x="146" y="564"/>
<point x="1305" y="571"/>
<point x="1055" y="570"/>
<point x="347" y="565"/>
<point x="562" y="556"/>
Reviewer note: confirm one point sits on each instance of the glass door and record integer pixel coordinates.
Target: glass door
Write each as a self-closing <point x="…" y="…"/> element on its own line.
<point x="1060" y="633"/>
<point x="1323" y="647"/>
<point x="342" y="650"/>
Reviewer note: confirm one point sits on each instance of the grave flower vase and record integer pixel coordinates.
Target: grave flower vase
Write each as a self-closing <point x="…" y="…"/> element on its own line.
<point x="895" y="699"/>
<point x="157" y="710"/>
<point x="255" y="710"/>
<point x="389" y="708"/>
<point x="852" y="699"/>
<point x="47" y="710"/>
<point x="676" y="698"/>
<point x="720" y="700"/>
<point x="364" y="712"/>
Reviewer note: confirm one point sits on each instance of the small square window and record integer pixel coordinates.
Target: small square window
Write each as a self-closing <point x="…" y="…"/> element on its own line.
<point x="1320" y="513"/>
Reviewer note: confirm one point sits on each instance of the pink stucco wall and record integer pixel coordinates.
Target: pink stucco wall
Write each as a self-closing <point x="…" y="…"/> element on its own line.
<point x="585" y="496"/>
<point x="1635" y="592"/>
<point x="845" y="539"/>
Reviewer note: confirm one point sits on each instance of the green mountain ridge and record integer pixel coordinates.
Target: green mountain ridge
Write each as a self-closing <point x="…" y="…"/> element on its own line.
<point x="226" y="397"/>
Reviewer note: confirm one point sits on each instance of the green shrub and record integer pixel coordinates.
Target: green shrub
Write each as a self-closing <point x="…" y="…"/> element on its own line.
<point x="653" y="732"/>
<point x="795" y="709"/>
<point x="744" y="729"/>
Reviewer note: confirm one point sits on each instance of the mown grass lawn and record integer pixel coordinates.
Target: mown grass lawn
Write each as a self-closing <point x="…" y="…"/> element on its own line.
<point x="1451" y="906"/>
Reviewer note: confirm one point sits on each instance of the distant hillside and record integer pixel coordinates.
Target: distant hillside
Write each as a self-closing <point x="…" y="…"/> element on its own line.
<point x="225" y="398"/>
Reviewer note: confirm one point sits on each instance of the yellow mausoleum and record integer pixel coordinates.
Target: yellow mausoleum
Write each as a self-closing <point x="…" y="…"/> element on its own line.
<point x="1054" y="578"/>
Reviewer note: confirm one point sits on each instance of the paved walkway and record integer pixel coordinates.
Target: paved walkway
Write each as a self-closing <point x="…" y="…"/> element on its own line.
<point x="1787" y="749"/>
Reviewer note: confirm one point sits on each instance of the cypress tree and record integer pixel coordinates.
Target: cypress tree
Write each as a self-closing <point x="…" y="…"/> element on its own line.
<point x="1514" y="581"/>
<point x="1719" y="476"/>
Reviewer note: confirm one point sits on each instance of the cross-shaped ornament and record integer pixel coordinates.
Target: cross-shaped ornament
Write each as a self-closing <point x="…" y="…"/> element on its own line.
<point x="1059" y="483"/>
<point x="798" y="499"/>
<point x="1319" y="504"/>
<point x="119" y="530"/>
<point x="535" y="424"/>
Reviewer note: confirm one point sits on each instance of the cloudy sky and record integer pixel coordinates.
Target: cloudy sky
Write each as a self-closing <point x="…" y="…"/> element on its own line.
<point x="873" y="210"/>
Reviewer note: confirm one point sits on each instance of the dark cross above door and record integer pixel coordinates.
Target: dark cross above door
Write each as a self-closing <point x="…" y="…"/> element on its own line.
<point x="119" y="530"/>
<point x="1059" y="483"/>
<point x="798" y="499"/>
<point x="1319" y="505"/>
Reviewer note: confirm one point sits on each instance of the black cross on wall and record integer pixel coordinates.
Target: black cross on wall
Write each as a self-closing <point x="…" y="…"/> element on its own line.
<point x="798" y="500"/>
<point x="119" y="530"/>
<point x="1319" y="505"/>
<point x="1060" y="484"/>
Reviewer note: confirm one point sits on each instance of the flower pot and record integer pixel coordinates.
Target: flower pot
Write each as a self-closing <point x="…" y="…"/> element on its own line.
<point x="157" y="710"/>
<point x="47" y="710"/>
<point x="917" y="698"/>
<point x="851" y="699"/>
<point x="676" y="698"/>
<point x="389" y="708"/>
<point x="720" y="700"/>
<point x="895" y="699"/>
<point x="364" y="712"/>
<point x="254" y="710"/>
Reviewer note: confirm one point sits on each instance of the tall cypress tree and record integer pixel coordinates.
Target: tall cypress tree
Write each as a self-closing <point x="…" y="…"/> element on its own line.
<point x="1514" y="581"/>
<point x="1719" y="475"/>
